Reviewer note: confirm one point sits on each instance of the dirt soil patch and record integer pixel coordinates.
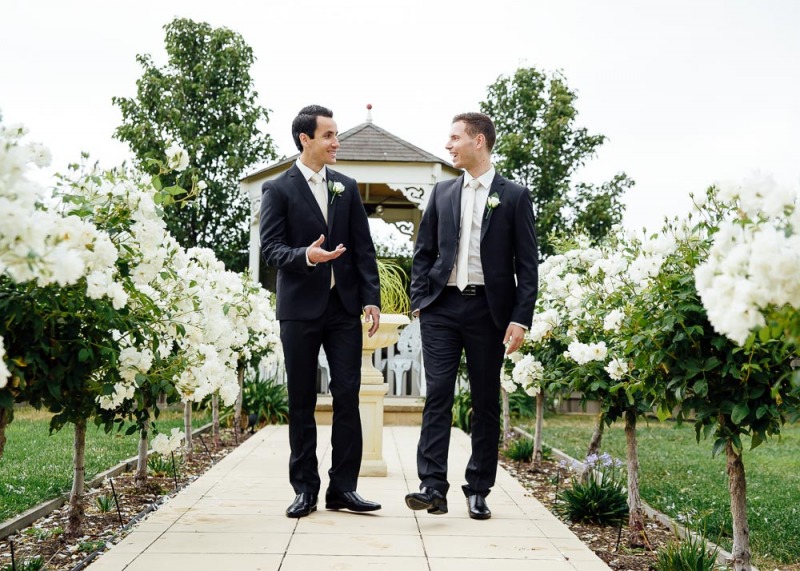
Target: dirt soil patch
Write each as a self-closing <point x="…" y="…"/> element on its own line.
<point x="608" y="543"/>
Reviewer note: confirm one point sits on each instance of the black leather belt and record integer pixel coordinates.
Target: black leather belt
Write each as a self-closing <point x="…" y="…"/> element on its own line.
<point x="471" y="290"/>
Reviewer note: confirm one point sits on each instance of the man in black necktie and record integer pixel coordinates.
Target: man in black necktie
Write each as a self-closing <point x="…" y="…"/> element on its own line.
<point x="474" y="282"/>
<point x="322" y="290"/>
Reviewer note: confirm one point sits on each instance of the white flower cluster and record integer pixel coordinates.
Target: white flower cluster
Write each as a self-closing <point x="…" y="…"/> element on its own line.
<point x="616" y="368"/>
<point x="543" y="324"/>
<point x="177" y="157"/>
<point x="528" y="374"/>
<point x="132" y="362"/>
<point x="163" y="444"/>
<point x="583" y="353"/>
<point x="754" y="262"/>
<point x="37" y="243"/>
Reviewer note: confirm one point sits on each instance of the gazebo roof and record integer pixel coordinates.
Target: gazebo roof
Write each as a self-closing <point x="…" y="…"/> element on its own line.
<point x="367" y="143"/>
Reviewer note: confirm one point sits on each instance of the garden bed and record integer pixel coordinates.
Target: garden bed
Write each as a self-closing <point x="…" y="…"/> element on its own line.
<point x="44" y="538"/>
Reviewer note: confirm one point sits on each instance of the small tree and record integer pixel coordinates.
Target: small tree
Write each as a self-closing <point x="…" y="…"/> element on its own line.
<point x="203" y="100"/>
<point x="586" y="294"/>
<point x="728" y="391"/>
<point x="540" y="146"/>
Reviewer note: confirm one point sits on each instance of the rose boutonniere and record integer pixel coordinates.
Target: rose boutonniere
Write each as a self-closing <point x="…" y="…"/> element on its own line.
<point x="491" y="203"/>
<point x="335" y="189"/>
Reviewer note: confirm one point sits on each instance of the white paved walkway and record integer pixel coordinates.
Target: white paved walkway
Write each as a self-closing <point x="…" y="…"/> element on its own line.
<point x="233" y="518"/>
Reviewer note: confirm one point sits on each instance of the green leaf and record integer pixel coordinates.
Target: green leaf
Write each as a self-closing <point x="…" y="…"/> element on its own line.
<point x="663" y="412"/>
<point x="737" y="442"/>
<point x="157" y="184"/>
<point x="701" y="388"/>
<point x="719" y="445"/>
<point x="740" y="412"/>
<point x="708" y="429"/>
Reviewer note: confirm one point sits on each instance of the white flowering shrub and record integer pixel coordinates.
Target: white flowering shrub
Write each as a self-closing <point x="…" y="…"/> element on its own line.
<point x="751" y="278"/>
<point x="102" y="304"/>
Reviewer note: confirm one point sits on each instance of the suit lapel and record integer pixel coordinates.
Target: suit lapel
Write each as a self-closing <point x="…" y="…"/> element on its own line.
<point x="330" y="177"/>
<point x="498" y="186"/>
<point x="455" y="204"/>
<point x="302" y="188"/>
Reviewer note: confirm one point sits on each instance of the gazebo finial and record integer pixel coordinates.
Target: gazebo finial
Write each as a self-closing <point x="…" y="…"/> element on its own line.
<point x="369" y="112"/>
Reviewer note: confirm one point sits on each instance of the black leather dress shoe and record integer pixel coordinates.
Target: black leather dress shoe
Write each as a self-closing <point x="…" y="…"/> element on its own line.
<point x="429" y="499"/>
<point x="477" y="507"/>
<point x="303" y="504"/>
<point x="349" y="501"/>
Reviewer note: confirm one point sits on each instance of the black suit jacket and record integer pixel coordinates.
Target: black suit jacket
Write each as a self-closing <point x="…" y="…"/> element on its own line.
<point x="291" y="220"/>
<point x="509" y="252"/>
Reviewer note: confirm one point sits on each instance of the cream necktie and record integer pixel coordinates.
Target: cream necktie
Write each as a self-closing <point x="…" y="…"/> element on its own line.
<point x="462" y="264"/>
<point x="319" y="193"/>
<point x="318" y="188"/>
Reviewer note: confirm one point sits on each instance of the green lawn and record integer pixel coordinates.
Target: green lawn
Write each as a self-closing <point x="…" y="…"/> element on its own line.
<point x="37" y="466"/>
<point x="678" y="477"/>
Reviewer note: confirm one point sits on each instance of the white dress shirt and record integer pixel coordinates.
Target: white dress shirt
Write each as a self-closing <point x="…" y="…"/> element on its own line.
<point x="474" y="266"/>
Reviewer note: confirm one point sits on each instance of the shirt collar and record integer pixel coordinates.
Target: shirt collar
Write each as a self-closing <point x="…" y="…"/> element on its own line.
<point x="485" y="179"/>
<point x="308" y="173"/>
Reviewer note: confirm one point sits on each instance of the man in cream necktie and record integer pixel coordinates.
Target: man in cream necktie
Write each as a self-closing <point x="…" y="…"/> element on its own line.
<point x="474" y="281"/>
<point x="322" y="290"/>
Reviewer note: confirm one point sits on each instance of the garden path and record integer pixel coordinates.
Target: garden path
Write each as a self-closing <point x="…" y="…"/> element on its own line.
<point x="232" y="517"/>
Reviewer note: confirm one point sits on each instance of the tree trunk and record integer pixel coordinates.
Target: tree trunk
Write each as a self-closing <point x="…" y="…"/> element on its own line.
<point x="237" y="410"/>
<point x="537" y="436"/>
<point x="506" y="415"/>
<point x="187" y="428"/>
<point x="637" y="536"/>
<point x="5" y="418"/>
<point x="76" y="508"/>
<point x="140" y="477"/>
<point x="597" y="435"/>
<point x="737" y="485"/>
<point x="215" y="419"/>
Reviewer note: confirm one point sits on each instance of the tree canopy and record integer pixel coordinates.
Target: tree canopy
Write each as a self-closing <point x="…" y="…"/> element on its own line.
<point x="202" y="100"/>
<point x="540" y="146"/>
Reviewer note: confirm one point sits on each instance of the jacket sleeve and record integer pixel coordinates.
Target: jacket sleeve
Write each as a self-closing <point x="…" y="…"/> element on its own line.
<point x="425" y="251"/>
<point x="363" y="251"/>
<point x="526" y="260"/>
<point x="272" y="226"/>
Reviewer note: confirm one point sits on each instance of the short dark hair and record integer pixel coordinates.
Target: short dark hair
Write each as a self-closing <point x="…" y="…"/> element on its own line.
<point x="478" y="124"/>
<point x="306" y="122"/>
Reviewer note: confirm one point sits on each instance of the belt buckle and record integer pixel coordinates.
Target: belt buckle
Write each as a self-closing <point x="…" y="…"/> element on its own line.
<point x="471" y="290"/>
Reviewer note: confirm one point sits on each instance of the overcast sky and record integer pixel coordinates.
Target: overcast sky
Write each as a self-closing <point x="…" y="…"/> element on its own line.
<point x="687" y="91"/>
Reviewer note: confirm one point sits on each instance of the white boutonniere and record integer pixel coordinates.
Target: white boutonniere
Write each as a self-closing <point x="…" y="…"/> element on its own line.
<point x="335" y="189"/>
<point x="491" y="203"/>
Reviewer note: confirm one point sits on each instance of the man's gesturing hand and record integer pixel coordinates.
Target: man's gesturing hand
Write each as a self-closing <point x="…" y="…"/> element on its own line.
<point x="316" y="254"/>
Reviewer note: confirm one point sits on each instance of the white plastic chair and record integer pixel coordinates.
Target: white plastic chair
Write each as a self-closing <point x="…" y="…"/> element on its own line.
<point x="407" y="357"/>
<point x="326" y="371"/>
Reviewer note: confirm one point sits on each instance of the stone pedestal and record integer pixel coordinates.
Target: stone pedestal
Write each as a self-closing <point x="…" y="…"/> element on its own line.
<point x="373" y="389"/>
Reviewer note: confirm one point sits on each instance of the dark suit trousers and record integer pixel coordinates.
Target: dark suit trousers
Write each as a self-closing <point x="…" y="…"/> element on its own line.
<point x="340" y="334"/>
<point x="451" y="323"/>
